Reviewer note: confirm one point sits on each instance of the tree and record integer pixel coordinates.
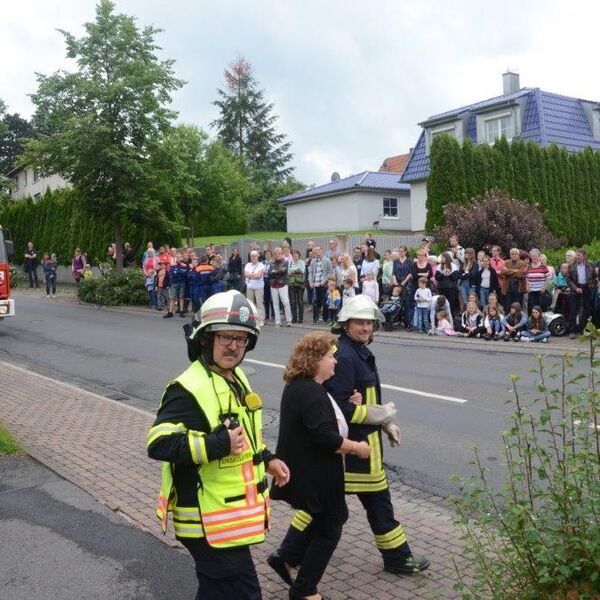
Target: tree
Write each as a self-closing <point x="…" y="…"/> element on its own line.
<point x="246" y="125"/>
<point x="100" y="124"/>
<point x="16" y="129"/>
<point x="180" y="156"/>
<point x="446" y="183"/>
<point x="4" y="182"/>
<point x="496" y="219"/>
<point x="270" y="215"/>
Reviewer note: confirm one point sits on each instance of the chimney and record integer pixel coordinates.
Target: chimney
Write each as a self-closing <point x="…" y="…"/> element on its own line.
<point x="510" y="83"/>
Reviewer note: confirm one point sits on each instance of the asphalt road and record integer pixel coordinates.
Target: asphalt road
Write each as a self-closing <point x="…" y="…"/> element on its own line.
<point x="58" y="542"/>
<point x="130" y="356"/>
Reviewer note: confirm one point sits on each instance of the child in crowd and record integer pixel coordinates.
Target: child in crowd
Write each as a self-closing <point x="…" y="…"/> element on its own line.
<point x="177" y="276"/>
<point x="163" y="291"/>
<point x="443" y="326"/>
<point x="348" y="291"/>
<point x="150" y="281"/>
<point x="393" y="302"/>
<point x="423" y="299"/>
<point x="560" y="284"/>
<point x="473" y="297"/>
<point x="87" y="272"/>
<point x="337" y="271"/>
<point x="493" y="323"/>
<point x="333" y="300"/>
<point x="493" y="302"/>
<point x="49" y="265"/>
<point x="514" y="323"/>
<point x="434" y="261"/>
<point x="536" y="328"/>
<point x="370" y="287"/>
<point x="472" y="321"/>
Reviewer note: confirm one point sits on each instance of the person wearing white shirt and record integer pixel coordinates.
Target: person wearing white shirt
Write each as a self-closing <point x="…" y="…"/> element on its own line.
<point x="255" y="284"/>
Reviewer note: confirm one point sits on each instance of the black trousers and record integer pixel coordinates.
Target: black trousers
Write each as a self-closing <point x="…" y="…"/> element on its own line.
<point x="319" y="307"/>
<point x="32" y="275"/>
<point x="312" y="550"/>
<point x="296" y="293"/>
<point x="389" y="535"/>
<point x="580" y="302"/>
<point x="227" y="574"/>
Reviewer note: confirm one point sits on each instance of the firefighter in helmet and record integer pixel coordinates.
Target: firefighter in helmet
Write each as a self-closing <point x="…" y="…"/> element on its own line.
<point x="356" y="371"/>
<point x="208" y="433"/>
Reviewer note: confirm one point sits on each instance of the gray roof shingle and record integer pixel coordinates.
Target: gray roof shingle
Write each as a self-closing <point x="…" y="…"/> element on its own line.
<point x="367" y="180"/>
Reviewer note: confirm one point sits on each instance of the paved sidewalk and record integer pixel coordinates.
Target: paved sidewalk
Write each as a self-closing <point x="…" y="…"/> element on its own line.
<point x="99" y="445"/>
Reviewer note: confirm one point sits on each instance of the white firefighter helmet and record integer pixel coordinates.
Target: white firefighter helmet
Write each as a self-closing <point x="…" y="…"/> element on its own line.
<point x="227" y="310"/>
<point x="357" y="307"/>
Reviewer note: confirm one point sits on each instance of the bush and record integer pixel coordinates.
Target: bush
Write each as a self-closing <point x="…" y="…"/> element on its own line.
<point x="496" y="219"/>
<point x="112" y="289"/>
<point x="556" y="256"/>
<point x="539" y="537"/>
<point x="16" y="275"/>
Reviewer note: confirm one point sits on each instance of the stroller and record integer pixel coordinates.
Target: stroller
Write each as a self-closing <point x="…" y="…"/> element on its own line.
<point x="393" y="313"/>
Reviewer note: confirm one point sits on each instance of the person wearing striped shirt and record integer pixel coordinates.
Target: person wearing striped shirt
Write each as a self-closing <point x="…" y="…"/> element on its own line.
<point x="536" y="279"/>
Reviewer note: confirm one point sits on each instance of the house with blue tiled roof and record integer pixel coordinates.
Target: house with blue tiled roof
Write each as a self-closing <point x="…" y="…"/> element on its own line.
<point x="368" y="200"/>
<point x="528" y="114"/>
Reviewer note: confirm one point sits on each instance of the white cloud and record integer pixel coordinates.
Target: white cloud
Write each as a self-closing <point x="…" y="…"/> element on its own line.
<point x="350" y="80"/>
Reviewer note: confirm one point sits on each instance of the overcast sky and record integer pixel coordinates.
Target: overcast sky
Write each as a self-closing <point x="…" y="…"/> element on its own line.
<point x="350" y="80"/>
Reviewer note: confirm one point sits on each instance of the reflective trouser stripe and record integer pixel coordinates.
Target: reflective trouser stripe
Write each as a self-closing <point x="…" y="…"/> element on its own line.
<point x="301" y="520"/>
<point x="365" y="482"/>
<point x="390" y="540"/>
<point x="359" y="415"/>
<point x="197" y="445"/>
<point x="164" y="429"/>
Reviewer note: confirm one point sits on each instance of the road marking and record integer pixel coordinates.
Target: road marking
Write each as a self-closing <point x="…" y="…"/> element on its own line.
<point x="420" y="393"/>
<point x="383" y="385"/>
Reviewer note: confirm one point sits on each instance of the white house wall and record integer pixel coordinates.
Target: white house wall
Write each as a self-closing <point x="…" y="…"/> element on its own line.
<point x="348" y="212"/>
<point x="334" y="213"/>
<point x="370" y="210"/>
<point x="418" y="197"/>
<point x="25" y="186"/>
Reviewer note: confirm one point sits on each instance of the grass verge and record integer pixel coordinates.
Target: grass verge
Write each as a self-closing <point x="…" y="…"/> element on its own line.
<point x="269" y="235"/>
<point x="8" y="445"/>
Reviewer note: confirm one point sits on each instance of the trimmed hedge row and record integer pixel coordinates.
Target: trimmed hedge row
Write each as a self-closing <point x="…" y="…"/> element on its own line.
<point x="566" y="187"/>
<point x="58" y="224"/>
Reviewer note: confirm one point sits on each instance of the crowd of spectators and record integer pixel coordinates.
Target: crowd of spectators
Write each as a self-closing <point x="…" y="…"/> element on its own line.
<point x="459" y="292"/>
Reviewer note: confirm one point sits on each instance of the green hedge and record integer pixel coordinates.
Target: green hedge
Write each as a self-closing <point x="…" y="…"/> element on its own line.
<point x="113" y="289"/>
<point x="566" y="187"/>
<point x="58" y="224"/>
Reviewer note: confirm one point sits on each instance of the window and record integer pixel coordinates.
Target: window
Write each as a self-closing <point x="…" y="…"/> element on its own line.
<point x="390" y="207"/>
<point x="36" y="175"/>
<point x="25" y="177"/>
<point x="496" y="128"/>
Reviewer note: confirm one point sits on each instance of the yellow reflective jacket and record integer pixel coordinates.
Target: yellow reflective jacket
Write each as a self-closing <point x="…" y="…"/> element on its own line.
<point x="233" y="498"/>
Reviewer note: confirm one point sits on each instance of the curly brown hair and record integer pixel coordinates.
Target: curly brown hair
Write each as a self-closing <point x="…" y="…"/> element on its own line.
<point x="306" y="355"/>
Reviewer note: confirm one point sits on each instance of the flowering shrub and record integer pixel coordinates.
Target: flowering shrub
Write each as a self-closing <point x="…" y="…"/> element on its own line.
<point x="496" y="219"/>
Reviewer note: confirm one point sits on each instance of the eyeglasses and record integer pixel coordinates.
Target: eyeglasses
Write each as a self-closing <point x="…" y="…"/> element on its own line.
<point x="227" y="340"/>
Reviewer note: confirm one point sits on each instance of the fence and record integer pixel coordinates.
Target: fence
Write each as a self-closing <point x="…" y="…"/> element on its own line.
<point x="345" y="242"/>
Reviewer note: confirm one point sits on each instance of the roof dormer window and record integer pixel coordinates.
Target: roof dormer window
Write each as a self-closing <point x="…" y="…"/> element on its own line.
<point x="453" y="128"/>
<point x="498" y="128"/>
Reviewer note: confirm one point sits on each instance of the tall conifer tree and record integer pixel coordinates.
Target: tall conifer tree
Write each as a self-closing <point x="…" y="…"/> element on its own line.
<point x="247" y="126"/>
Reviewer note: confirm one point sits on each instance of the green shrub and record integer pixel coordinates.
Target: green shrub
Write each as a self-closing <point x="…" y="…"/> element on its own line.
<point x="539" y="536"/>
<point x="112" y="289"/>
<point x="557" y="256"/>
<point x="17" y="277"/>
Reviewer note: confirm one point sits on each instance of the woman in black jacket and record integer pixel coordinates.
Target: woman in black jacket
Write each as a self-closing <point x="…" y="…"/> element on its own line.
<point x="234" y="268"/>
<point x="312" y="441"/>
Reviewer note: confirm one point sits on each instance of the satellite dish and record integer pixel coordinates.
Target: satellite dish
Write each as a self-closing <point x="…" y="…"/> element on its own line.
<point x="335" y="176"/>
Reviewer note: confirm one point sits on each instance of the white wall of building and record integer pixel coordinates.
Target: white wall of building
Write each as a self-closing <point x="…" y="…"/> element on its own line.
<point x="26" y="184"/>
<point x="370" y="210"/>
<point x="418" y="197"/>
<point x="333" y="213"/>
<point x="348" y="212"/>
